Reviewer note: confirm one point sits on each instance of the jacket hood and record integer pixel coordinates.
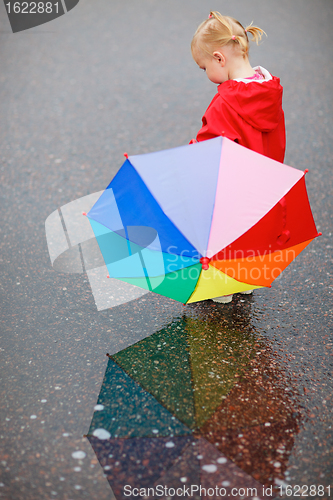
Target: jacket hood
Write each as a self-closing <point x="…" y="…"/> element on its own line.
<point x="258" y="103"/>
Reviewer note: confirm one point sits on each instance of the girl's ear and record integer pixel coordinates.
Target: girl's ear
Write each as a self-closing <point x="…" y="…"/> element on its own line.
<point x="219" y="57"/>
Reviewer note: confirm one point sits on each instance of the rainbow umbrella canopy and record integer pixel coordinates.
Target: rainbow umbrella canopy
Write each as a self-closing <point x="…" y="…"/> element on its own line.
<point x="202" y="220"/>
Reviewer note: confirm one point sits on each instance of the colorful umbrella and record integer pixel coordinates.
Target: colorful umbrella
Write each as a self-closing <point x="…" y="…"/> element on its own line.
<point x="202" y="220"/>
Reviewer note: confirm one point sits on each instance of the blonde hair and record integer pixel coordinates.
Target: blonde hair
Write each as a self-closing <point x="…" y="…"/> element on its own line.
<point x="218" y="30"/>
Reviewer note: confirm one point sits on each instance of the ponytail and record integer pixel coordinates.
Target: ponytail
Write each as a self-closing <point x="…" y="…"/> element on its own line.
<point x="255" y="32"/>
<point x="218" y="30"/>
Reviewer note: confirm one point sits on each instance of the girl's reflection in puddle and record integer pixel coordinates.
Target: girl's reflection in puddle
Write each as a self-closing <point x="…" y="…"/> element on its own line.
<point x="200" y="402"/>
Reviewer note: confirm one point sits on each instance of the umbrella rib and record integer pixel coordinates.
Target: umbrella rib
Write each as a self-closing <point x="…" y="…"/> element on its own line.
<point x="217" y="183"/>
<point x="128" y="242"/>
<point x="145" y="271"/>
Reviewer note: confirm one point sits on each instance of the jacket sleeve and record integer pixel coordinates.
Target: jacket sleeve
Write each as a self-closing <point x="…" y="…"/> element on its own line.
<point x="216" y="122"/>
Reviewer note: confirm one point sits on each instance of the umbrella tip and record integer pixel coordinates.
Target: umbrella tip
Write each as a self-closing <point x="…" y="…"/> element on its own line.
<point x="126" y="155"/>
<point x="306" y="170"/>
<point x="84" y="213"/>
<point x="204" y="261"/>
<point x="320" y="233"/>
<point x="108" y="276"/>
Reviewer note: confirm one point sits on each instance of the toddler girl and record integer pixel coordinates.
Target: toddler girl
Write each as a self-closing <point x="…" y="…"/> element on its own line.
<point x="248" y="105"/>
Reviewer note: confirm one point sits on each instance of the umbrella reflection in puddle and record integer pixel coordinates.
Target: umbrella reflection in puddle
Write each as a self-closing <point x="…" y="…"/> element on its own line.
<point x="200" y="402"/>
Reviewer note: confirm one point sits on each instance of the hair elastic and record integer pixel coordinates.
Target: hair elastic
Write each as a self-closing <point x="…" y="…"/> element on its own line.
<point x="210" y="16"/>
<point x="233" y="37"/>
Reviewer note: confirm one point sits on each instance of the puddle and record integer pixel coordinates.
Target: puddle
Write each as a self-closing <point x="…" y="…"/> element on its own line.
<point x="203" y="402"/>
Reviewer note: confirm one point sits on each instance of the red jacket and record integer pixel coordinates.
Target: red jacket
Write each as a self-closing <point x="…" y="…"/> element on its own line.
<point x="250" y="114"/>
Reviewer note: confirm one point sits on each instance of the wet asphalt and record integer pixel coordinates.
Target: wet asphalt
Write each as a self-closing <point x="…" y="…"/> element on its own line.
<point x="74" y="95"/>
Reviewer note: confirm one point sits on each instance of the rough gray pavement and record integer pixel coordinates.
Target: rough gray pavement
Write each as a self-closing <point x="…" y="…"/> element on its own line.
<point x="76" y="93"/>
